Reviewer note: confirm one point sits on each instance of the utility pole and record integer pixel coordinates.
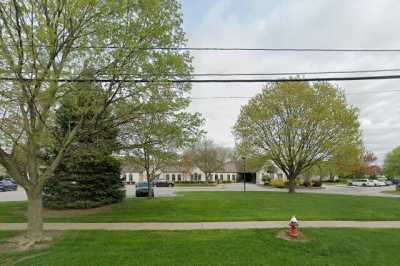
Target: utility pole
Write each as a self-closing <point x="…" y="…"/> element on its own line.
<point x="244" y="174"/>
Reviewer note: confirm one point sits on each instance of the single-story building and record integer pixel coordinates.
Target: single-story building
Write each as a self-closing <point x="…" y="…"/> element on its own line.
<point x="231" y="172"/>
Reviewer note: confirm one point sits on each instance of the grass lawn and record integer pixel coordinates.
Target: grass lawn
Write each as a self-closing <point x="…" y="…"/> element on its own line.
<point x="225" y="206"/>
<point x="219" y="247"/>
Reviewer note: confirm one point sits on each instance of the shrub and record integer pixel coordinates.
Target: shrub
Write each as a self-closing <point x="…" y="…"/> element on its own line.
<point x="316" y="184"/>
<point x="266" y="179"/>
<point x="278" y="183"/>
<point x="306" y="183"/>
<point x="84" y="184"/>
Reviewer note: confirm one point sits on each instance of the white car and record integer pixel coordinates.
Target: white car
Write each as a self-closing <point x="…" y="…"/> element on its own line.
<point x="378" y="183"/>
<point x="361" y="183"/>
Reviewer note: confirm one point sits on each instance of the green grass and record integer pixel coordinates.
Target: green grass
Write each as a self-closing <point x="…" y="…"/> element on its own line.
<point x="229" y="206"/>
<point x="217" y="247"/>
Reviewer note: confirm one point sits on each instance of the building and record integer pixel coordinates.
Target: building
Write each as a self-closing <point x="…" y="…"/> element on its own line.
<point x="131" y="174"/>
<point x="230" y="173"/>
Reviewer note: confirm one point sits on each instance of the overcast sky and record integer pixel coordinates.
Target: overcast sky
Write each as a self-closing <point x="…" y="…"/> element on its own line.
<point x="355" y="24"/>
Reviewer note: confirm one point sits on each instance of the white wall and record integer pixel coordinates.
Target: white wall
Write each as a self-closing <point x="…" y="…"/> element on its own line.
<point x="132" y="177"/>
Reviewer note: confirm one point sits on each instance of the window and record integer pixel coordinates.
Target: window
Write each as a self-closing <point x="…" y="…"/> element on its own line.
<point x="173" y="177"/>
<point x="195" y="176"/>
<point x="229" y="177"/>
<point x="179" y="177"/>
<point x="130" y="177"/>
<point x="233" y="177"/>
<point x="221" y="176"/>
<point x="191" y="177"/>
<point x="216" y="177"/>
<point x="167" y="177"/>
<point x="199" y="177"/>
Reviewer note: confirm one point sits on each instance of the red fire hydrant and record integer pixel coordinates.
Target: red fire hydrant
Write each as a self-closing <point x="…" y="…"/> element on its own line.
<point x="294" y="224"/>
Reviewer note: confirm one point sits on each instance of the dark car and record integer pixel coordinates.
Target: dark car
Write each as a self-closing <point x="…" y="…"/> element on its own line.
<point x="163" y="183"/>
<point x="142" y="190"/>
<point x="9" y="185"/>
<point x="2" y="187"/>
<point x="396" y="180"/>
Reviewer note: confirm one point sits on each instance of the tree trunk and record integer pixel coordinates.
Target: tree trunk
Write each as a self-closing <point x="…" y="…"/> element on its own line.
<point x="292" y="184"/>
<point x="35" y="218"/>
<point x="149" y="186"/>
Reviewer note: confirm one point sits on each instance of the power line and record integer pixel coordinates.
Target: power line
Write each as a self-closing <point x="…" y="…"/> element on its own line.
<point x="249" y="97"/>
<point x="260" y="49"/>
<point x="276" y="49"/>
<point x="143" y="80"/>
<point x="141" y="75"/>
<point x="267" y="74"/>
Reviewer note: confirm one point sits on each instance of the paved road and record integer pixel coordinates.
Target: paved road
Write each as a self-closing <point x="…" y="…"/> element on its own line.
<point x="204" y="225"/>
<point x="20" y="195"/>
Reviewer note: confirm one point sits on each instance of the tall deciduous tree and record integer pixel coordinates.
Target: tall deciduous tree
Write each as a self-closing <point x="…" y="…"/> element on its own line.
<point x="368" y="165"/>
<point x="208" y="157"/>
<point x="344" y="163"/>
<point x="154" y="142"/>
<point x="391" y="166"/>
<point x="46" y="44"/>
<point x="297" y="125"/>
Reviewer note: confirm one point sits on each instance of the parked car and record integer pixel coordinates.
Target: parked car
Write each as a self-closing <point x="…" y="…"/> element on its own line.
<point x="163" y="183"/>
<point x="396" y="180"/>
<point x="386" y="181"/>
<point x="2" y="187"/>
<point x="9" y="185"/>
<point x="377" y="183"/>
<point x="142" y="190"/>
<point x="361" y="183"/>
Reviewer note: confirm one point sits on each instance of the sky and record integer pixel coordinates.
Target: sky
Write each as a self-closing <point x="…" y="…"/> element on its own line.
<point x="358" y="24"/>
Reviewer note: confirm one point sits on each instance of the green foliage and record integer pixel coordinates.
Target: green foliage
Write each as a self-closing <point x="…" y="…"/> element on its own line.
<point x="278" y="183"/>
<point x="88" y="176"/>
<point x="154" y="142"/>
<point x="266" y="179"/>
<point x="44" y="42"/>
<point x="391" y="166"/>
<point x="82" y="184"/>
<point x="297" y="125"/>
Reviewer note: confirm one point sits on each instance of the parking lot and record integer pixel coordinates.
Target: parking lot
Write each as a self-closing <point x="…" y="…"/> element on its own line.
<point x="20" y="195"/>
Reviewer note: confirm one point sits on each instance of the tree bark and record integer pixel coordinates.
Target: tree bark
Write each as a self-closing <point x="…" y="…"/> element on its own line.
<point x="292" y="184"/>
<point x="35" y="218"/>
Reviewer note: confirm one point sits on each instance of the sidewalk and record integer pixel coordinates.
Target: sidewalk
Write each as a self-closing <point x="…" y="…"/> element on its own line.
<point x="205" y="225"/>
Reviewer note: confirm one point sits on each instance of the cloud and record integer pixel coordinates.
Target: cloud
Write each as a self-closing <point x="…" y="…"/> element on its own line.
<point x="304" y="24"/>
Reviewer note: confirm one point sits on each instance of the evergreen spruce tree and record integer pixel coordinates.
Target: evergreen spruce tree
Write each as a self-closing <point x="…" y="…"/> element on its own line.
<point x="88" y="176"/>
